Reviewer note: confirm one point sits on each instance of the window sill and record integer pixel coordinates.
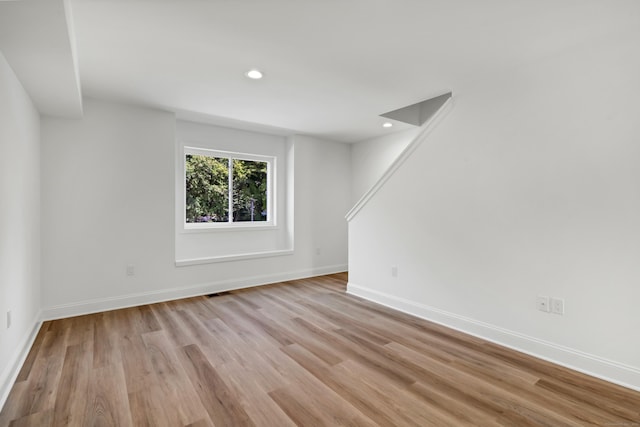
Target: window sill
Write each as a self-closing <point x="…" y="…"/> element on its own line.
<point x="228" y="258"/>
<point x="215" y="227"/>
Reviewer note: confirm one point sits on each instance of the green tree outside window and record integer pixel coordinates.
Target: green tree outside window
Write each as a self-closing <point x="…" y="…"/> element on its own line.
<point x="207" y="189"/>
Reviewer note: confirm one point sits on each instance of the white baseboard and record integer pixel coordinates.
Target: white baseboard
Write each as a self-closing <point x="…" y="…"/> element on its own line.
<point x="131" y="300"/>
<point x="608" y="370"/>
<point x="12" y="370"/>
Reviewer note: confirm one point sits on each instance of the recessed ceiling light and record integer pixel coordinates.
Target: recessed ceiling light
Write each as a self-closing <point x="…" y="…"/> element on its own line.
<point x="254" y="74"/>
<point x="387" y="124"/>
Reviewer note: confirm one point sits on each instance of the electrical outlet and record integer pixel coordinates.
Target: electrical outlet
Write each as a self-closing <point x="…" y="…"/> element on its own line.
<point x="557" y="305"/>
<point x="543" y="303"/>
<point x="8" y="319"/>
<point x="131" y="270"/>
<point x="394" y="271"/>
<point x="318" y="251"/>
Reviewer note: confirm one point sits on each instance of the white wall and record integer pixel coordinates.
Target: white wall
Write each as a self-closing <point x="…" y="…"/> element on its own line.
<point x="322" y="198"/>
<point x="19" y="223"/>
<point x="529" y="186"/>
<point x="105" y="203"/>
<point x="109" y="200"/>
<point x="372" y="157"/>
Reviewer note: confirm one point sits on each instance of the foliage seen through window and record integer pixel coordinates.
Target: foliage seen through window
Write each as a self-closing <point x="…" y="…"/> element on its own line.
<point x="210" y="194"/>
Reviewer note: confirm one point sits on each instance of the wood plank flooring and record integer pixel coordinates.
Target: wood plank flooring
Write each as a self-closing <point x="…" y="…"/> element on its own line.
<point x="298" y="353"/>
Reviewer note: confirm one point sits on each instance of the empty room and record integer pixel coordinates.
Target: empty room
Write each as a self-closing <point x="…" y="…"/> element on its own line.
<point x="317" y="213"/>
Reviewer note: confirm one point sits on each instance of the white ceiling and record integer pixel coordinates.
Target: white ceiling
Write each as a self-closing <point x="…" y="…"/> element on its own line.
<point x="331" y="66"/>
<point x="36" y="41"/>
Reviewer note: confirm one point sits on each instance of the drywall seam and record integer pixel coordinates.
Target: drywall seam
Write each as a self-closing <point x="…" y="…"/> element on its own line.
<point x="113" y="303"/>
<point x="406" y="153"/>
<point x="608" y="370"/>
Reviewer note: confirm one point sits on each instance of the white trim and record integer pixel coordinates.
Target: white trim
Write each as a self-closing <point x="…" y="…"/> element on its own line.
<point x="608" y="370"/>
<point x="238" y="257"/>
<point x="113" y="303"/>
<point x="406" y="153"/>
<point x="12" y="370"/>
<point x="203" y="227"/>
<point x="210" y="152"/>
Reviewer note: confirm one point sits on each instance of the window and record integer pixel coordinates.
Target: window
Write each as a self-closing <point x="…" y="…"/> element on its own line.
<point x="227" y="189"/>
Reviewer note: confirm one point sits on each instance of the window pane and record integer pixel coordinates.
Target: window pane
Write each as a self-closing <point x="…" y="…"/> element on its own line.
<point x="207" y="188"/>
<point x="249" y="190"/>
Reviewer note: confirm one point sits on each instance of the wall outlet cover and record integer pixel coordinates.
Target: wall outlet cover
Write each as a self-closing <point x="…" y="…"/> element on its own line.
<point x="557" y="305"/>
<point x="542" y="303"/>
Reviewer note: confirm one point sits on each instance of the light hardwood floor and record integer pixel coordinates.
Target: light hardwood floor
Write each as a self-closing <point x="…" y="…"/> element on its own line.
<point x="297" y="353"/>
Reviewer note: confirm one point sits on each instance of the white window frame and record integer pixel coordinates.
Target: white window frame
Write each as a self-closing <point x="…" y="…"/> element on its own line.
<point x="271" y="196"/>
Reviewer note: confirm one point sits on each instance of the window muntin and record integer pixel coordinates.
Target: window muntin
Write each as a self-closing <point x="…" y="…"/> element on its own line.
<point x="217" y="183"/>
